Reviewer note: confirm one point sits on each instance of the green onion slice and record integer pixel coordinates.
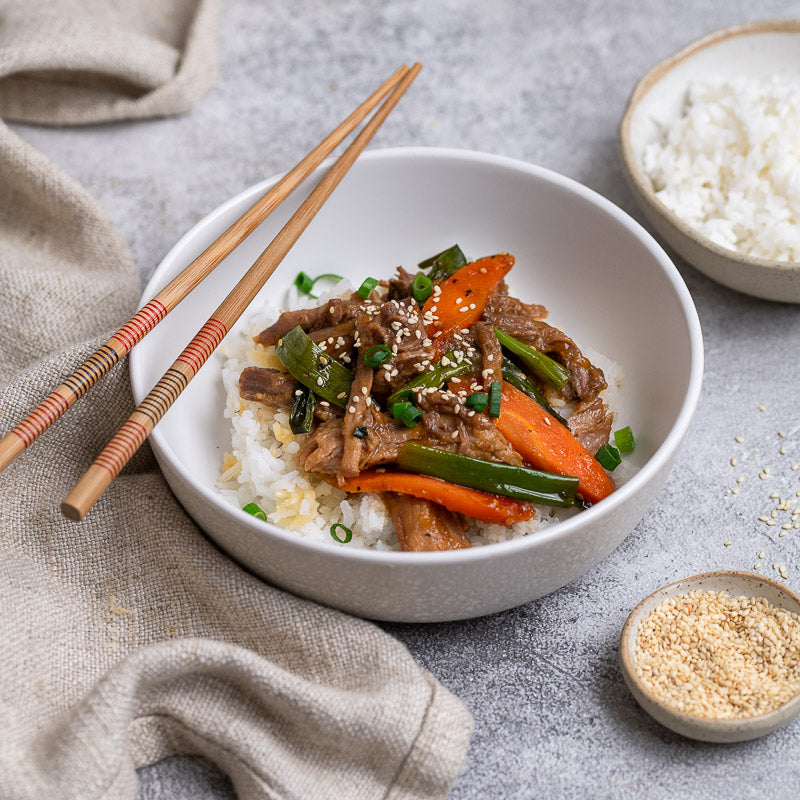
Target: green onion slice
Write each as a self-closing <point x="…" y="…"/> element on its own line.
<point x="444" y="264"/>
<point x="477" y="401"/>
<point x="305" y="283"/>
<point x="421" y="288"/>
<point x="406" y="412"/>
<point x="256" y="511"/>
<point x="544" y="367"/>
<point x="521" y="483"/>
<point x="624" y="440"/>
<point x="360" y="432"/>
<point x="366" y="287"/>
<point x="495" y="389"/>
<point x="609" y="457"/>
<point x="308" y="363"/>
<point x="377" y="354"/>
<point x="348" y="534"/>
<point x="301" y="415"/>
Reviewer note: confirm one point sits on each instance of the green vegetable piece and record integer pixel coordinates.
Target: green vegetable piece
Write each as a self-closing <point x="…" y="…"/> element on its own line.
<point x="495" y="388"/>
<point x="544" y="367"/>
<point x="314" y="368"/>
<point x="406" y="412"/>
<point x="366" y="288"/>
<point x="624" y="440"/>
<point x="348" y="534"/>
<point x="301" y="414"/>
<point x="520" y="483"/>
<point x="421" y="288"/>
<point x="255" y="510"/>
<point x="609" y="457"/>
<point x="477" y="401"/>
<point x="444" y="370"/>
<point x="444" y="264"/>
<point x="377" y="354"/>
<point x="305" y="283"/>
<point x="519" y="380"/>
<point x="360" y="432"/>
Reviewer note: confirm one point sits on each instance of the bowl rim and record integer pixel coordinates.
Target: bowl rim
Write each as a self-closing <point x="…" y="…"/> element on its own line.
<point x="630" y="163"/>
<point x="627" y="655"/>
<point x="563" y="528"/>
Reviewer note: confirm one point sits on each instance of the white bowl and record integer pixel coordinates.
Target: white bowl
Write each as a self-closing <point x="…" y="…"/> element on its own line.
<point x="708" y="730"/>
<point x="757" y="49"/>
<point x="604" y="279"/>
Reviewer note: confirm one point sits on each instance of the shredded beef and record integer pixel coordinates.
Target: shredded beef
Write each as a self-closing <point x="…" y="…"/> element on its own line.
<point x="275" y="390"/>
<point x="591" y="423"/>
<point x="423" y="526"/>
<point x="309" y="319"/>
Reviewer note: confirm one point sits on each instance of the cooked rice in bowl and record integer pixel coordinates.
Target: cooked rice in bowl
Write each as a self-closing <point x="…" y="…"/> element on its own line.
<point x="262" y="467"/>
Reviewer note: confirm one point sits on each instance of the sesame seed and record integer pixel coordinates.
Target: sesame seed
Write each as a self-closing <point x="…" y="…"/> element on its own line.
<point x="738" y="439"/>
<point x="728" y="542"/>
<point x="733" y="462"/>
<point x="352" y="409"/>
<point x="320" y="382"/>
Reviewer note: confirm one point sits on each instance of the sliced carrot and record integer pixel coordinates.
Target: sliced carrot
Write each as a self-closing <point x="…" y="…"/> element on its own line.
<point x="470" y="502"/>
<point x="548" y="445"/>
<point x="463" y="297"/>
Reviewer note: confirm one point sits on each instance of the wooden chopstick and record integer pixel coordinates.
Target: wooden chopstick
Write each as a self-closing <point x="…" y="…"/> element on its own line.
<point x="133" y="331"/>
<point x="135" y="431"/>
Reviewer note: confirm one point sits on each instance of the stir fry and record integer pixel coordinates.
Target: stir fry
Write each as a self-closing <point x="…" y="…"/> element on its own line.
<point x="443" y="393"/>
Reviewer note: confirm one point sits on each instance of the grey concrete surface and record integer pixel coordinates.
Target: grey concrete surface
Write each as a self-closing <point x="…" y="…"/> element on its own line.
<point x="546" y="82"/>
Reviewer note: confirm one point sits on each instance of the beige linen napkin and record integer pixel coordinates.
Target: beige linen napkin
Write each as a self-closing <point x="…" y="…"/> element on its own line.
<point x="129" y="637"/>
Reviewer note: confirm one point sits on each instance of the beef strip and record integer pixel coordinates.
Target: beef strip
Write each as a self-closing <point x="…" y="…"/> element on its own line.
<point x="357" y="415"/>
<point x="400" y="285"/>
<point x="397" y="324"/>
<point x="491" y="352"/>
<point x="323" y="449"/>
<point x="338" y="340"/>
<point x="500" y="305"/>
<point x="586" y="381"/>
<point x="275" y="389"/>
<point x="449" y="426"/>
<point x="310" y="319"/>
<point x="591" y="423"/>
<point x="423" y="526"/>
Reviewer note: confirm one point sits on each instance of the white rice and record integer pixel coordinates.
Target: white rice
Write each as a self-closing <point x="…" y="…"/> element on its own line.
<point x="262" y="467"/>
<point x="730" y="165"/>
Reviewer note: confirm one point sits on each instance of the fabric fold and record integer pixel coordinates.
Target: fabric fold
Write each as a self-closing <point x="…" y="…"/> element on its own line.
<point x="130" y="637"/>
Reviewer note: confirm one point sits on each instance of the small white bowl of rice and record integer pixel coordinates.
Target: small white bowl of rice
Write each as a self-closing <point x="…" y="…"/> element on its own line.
<point x="604" y="280"/>
<point x="710" y="145"/>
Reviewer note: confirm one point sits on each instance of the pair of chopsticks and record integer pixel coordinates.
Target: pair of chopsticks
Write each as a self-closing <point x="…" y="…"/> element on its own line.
<point x="135" y="431"/>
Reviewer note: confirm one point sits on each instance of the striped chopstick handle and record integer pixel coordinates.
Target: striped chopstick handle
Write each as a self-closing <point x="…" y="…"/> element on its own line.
<point x="80" y="381"/>
<point x="132" y="435"/>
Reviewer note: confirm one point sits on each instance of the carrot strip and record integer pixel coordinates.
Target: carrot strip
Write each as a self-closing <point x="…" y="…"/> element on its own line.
<point x="548" y="445"/>
<point x="470" y="502"/>
<point x="463" y="297"/>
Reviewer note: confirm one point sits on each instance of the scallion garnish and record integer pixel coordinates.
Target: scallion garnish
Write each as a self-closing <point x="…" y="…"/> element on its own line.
<point x="608" y="456"/>
<point x="305" y="283"/>
<point x="421" y="287"/>
<point x="348" y="534"/>
<point x="359" y="432"/>
<point x="624" y="439"/>
<point x="366" y="287"/>
<point x="477" y="401"/>
<point x="377" y="355"/>
<point x="495" y="390"/>
<point x="255" y="510"/>
<point x="407" y="413"/>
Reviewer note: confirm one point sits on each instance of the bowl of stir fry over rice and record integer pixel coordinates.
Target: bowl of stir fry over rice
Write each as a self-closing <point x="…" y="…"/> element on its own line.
<point x="461" y="390"/>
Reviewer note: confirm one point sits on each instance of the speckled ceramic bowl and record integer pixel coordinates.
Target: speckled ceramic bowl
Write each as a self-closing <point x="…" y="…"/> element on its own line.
<point x="694" y="727"/>
<point x="603" y="278"/>
<point x="757" y="49"/>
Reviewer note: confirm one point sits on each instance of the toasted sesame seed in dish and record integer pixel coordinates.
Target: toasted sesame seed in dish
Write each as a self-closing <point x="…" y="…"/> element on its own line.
<point x="716" y="657"/>
<point x="710" y="147"/>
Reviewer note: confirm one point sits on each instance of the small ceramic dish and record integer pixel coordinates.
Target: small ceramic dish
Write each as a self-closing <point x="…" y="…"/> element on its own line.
<point x="759" y="50"/>
<point x="695" y="727"/>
